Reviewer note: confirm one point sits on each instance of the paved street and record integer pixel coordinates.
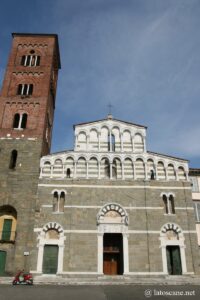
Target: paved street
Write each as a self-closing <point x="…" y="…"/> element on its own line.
<point x="103" y="292"/>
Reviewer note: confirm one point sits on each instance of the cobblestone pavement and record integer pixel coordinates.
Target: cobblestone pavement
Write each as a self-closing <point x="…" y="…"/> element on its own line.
<point x="126" y="292"/>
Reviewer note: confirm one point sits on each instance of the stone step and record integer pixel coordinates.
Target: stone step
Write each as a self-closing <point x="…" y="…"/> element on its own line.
<point x="113" y="280"/>
<point x="109" y="280"/>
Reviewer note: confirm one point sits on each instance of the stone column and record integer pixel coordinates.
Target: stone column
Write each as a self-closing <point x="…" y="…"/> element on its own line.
<point x="145" y="170"/>
<point x="166" y="174"/>
<point x="75" y="166"/>
<point x="99" y="141"/>
<point x="76" y="141"/>
<point x="156" y="172"/>
<point x="126" y="253"/>
<point x="183" y="260"/>
<point x="110" y="170"/>
<point x="133" y="143"/>
<point x="122" y="170"/>
<point x="87" y="142"/>
<point x="60" y="258"/>
<point x="99" y="169"/>
<point x="63" y="171"/>
<point x="87" y="167"/>
<point x="51" y="171"/>
<point x="134" y="171"/>
<point x="164" y="259"/>
<point x="176" y="172"/>
<point x="122" y="142"/>
<point x="169" y="206"/>
<point x="41" y="172"/>
<point x="40" y="258"/>
<point x="187" y="176"/>
<point x="100" y="253"/>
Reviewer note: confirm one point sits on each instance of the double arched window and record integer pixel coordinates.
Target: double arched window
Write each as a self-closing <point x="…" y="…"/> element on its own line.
<point x="58" y="201"/>
<point x="20" y="121"/>
<point x="169" y="206"/>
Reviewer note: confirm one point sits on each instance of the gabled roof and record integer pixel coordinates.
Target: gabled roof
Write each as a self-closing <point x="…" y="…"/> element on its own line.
<point x="108" y="119"/>
<point x="165" y="155"/>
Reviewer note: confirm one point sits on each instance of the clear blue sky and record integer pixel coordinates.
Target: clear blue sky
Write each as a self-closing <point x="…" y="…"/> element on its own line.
<point x="143" y="56"/>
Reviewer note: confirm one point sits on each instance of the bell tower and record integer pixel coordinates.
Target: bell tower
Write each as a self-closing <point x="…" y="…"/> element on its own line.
<point x="29" y="88"/>
<point x="27" y="103"/>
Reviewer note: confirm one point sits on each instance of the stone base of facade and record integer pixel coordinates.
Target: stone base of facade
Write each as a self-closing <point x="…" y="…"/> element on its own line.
<point x="95" y="279"/>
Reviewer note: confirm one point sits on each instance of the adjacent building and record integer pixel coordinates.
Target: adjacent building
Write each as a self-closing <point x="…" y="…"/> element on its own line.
<point x="195" y="181"/>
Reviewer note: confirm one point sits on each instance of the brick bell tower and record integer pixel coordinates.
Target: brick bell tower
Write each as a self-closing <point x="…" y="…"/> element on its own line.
<point x="27" y="104"/>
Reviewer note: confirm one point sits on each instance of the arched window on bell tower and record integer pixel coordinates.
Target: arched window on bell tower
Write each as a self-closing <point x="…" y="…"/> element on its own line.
<point x="24" y="121"/>
<point x="16" y="121"/>
<point x="13" y="160"/>
<point x="25" y="89"/>
<point x="20" y="121"/>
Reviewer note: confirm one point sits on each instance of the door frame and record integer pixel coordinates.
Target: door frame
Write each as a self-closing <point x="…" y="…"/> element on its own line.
<point x="57" y="242"/>
<point x="117" y="256"/>
<point x="170" y="258"/>
<point x="176" y="242"/>
<point x="112" y="228"/>
<point x="45" y="247"/>
<point x="120" y="225"/>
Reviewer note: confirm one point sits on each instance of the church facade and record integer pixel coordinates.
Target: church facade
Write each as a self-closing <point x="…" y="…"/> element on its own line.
<point x="109" y="207"/>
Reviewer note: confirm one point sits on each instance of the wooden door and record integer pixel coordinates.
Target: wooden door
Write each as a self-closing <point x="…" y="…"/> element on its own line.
<point x="50" y="259"/>
<point x="113" y="254"/>
<point x="2" y="262"/>
<point x="110" y="264"/>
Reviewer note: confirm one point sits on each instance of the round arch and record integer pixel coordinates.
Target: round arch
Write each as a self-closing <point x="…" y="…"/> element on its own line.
<point x="112" y="207"/>
<point x="171" y="238"/>
<point x="45" y="239"/>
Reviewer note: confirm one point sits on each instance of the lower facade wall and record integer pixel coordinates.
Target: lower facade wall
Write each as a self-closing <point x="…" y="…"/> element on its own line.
<point x="81" y="254"/>
<point x="138" y="253"/>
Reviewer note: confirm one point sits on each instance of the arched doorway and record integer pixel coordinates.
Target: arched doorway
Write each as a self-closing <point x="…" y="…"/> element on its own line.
<point x="173" y="250"/>
<point x="51" y="249"/>
<point x="113" y="256"/>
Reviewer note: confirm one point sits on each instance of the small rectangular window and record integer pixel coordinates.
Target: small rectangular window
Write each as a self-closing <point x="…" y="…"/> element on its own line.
<point x="194" y="183"/>
<point x="197" y="210"/>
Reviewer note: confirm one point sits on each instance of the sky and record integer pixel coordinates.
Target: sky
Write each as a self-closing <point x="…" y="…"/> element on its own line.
<point x="142" y="56"/>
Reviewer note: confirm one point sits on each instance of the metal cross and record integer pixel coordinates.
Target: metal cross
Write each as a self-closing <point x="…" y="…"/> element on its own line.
<point x="110" y="106"/>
